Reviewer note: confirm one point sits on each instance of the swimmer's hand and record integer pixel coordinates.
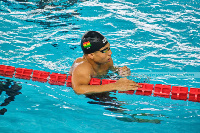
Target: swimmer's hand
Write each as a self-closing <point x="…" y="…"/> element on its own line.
<point x="124" y="71"/>
<point x="124" y="84"/>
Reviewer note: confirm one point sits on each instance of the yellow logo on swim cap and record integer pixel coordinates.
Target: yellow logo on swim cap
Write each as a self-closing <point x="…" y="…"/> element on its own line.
<point x="86" y="44"/>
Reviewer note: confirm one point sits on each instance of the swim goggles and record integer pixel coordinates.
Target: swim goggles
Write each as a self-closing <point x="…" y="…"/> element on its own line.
<point x="105" y="50"/>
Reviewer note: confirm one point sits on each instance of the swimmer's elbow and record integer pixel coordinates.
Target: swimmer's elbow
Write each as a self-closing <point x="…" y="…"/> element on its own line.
<point x="78" y="90"/>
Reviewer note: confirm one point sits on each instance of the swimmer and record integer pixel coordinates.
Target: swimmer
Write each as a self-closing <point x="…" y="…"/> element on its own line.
<point x="97" y="61"/>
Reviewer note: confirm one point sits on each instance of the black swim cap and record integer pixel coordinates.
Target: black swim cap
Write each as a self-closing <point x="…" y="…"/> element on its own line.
<point x="92" y="41"/>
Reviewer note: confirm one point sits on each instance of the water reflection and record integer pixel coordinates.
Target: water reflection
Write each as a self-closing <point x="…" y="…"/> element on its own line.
<point x="112" y="104"/>
<point x="12" y="89"/>
<point x="47" y="13"/>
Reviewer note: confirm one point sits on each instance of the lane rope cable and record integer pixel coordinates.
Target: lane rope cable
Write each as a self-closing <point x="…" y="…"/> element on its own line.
<point x="158" y="90"/>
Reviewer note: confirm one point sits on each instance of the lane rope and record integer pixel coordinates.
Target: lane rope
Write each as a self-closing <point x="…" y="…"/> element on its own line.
<point x="157" y="90"/>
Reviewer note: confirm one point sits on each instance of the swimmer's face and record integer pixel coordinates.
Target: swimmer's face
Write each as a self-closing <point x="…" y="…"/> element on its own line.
<point x="103" y="55"/>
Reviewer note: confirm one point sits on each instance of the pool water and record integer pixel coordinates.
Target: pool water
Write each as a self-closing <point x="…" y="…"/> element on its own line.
<point x="151" y="37"/>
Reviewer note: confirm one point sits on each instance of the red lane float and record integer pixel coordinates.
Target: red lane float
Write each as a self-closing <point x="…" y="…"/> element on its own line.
<point x="7" y="71"/>
<point x="57" y="79"/>
<point x="69" y="81"/>
<point x="107" y="81"/>
<point x="179" y="93"/>
<point x="95" y="81"/>
<point x="23" y="73"/>
<point x="145" y="89"/>
<point x="194" y="94"/>
<point x="40" y="76"/>
<point x="166" y="91"/>
<point x="162" y="90"/>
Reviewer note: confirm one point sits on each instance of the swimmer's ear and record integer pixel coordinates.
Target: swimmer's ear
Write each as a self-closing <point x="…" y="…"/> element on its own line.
<point x="91" y="56"/>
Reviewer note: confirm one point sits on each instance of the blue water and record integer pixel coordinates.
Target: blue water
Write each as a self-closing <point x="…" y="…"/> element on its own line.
<point x="147" y="36"/>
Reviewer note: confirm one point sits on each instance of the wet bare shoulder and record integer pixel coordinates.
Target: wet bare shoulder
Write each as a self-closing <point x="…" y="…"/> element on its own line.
<point x="77" y="62"/>
<point x="80" y="59"/>
<point x="82" y="68"/>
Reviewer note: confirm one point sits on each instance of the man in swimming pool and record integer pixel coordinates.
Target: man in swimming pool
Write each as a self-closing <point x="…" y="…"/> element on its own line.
<point x="97" y="61"/>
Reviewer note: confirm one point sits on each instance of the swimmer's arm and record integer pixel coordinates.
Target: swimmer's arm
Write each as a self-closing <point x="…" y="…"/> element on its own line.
<point x="81" y="79"/>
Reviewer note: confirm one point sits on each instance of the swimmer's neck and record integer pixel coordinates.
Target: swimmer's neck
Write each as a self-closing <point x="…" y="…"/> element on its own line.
<point x="95" y="65"/>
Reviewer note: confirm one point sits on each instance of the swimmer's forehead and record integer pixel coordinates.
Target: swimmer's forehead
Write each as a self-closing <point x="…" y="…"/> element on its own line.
<point x="106" y="46"/>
